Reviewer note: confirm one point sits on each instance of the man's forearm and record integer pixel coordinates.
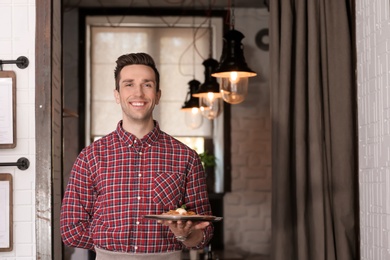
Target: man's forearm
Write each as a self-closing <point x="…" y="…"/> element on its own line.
<point x="194" y="239"/>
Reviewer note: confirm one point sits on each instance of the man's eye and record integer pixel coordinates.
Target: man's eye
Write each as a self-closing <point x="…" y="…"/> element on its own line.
<point x="148" y="85"/>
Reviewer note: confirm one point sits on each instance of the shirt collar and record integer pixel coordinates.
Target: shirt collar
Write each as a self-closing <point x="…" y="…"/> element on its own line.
<point x="129" y="139"/>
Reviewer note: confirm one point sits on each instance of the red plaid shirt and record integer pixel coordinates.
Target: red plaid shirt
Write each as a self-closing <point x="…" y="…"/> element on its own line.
<point x="118" y="179"/>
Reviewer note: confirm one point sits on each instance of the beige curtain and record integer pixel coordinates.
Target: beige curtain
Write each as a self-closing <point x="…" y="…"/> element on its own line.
<point x="315" y="170"/>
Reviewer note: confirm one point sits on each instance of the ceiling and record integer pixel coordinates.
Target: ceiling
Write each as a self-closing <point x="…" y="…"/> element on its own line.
<point x="198" y="4"/>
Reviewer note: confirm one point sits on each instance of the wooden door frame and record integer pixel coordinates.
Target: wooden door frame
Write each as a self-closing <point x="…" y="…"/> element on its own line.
<point x="48" y="127"/>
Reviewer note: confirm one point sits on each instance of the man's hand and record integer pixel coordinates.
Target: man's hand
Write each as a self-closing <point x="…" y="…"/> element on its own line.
<point x="188" y="232"/>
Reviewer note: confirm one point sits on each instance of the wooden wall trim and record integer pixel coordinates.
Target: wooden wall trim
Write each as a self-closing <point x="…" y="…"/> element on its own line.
<point x="43" y="129"/>
<point x="48" y="121"/>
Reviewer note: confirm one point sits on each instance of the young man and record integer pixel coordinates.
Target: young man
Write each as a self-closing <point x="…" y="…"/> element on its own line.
<point x="134" y="171"/>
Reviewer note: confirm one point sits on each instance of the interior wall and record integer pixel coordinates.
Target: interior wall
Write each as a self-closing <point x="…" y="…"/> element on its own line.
<point x="247" y="209"/>
<point x="17" y="38"/>
<point x="373" y="70"/>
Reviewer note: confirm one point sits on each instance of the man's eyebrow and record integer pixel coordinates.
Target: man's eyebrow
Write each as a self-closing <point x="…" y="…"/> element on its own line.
<point x="144" y="80"/>
<point x="128" y="80"/>
<point x="149" y="80"/>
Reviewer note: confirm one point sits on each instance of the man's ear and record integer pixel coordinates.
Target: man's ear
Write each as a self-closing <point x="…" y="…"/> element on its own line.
<point x="158" y="94"/>
<point x="117" y="96"/>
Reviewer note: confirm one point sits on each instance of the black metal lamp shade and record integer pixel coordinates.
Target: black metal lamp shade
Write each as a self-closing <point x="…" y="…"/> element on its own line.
<point x="210" y="84"/>
<point x="191" y="101"/>
<point x="232" y="58"/>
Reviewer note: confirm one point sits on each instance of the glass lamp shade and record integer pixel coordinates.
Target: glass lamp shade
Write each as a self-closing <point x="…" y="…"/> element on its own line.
<point x="193" y="116"/>
<point x="210" y="106"/>
<point x="233" y="70"/>
<point x="234" y="89"/>
<point x="209" y="95"/>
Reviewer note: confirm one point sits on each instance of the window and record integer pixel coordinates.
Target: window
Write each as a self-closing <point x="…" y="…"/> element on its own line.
<point x="169" y="41"/>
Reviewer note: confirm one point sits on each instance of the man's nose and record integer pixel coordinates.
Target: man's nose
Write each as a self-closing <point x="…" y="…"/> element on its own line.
<point x="139" y="90"/>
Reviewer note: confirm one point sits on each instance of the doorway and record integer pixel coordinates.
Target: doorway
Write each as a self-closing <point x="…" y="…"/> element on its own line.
<point x="79" y="77"/>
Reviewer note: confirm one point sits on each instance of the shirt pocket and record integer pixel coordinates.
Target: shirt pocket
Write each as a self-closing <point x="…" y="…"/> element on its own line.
<point x="168" y="189"/>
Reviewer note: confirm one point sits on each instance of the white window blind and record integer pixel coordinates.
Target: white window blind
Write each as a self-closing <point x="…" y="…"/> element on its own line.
<point x="177" y="61"/>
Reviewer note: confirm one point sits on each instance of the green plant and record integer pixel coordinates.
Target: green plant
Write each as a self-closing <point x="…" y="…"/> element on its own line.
<point x="208" y="160"/>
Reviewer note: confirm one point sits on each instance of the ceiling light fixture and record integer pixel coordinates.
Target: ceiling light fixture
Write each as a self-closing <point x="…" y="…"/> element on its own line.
<point x="210" y="98"/>
<point x="193" y="116"/>
<point x="233" y="69"/>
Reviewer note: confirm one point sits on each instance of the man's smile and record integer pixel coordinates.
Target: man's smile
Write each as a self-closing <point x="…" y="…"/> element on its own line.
<point x="138" y="104"/>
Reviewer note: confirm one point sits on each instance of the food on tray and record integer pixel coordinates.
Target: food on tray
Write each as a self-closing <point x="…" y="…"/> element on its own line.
<point x="180" y="211"/>
<point x="183" y="214"/>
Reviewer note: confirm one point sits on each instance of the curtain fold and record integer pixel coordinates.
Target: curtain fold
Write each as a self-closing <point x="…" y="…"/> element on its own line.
<point x="314" y="133"/>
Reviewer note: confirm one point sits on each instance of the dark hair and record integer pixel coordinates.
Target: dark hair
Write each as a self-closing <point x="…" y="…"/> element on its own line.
<point x="135" y="58"/>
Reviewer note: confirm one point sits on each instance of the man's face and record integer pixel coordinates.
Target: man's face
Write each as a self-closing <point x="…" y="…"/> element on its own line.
<point x="137" y="93"/>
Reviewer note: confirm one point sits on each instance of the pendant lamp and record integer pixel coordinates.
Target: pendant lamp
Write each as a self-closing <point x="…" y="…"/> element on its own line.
<point x="233" y="70"/>
<point x="210" y="101"/>
<point x="193" y="116"/>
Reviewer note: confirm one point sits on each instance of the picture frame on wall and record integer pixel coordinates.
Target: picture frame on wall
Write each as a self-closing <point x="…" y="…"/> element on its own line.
<point x="6" y="212"/>
<point x="7" y="109"/>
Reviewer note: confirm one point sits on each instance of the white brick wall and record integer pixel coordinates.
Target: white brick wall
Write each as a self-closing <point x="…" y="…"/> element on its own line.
<point x="17" y="38"/>
<point x="247" y="209"/>
<point x="373" y="67"/>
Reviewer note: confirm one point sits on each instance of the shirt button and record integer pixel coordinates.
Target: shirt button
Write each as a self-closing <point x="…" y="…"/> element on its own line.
<point x="138" y="197"/>
<point x="136" y="247"/>
<point x="140" y="153"/>
<point x="137" y="222"/>
<point x="139" y="175"/>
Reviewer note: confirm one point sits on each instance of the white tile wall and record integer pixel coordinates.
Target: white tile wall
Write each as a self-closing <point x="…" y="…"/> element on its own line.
<point x="373" y="63"/>
<point x="17" y="38"/>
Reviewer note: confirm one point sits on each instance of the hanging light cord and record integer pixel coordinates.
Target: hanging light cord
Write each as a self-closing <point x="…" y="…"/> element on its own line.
<point x="193" y="45"/>
<point x="179" y="3"/>
<point x="196" y="36"/>
<point x="118" y="24"/>
<point x="210" y="32"/>
<point x="232" y="17"/>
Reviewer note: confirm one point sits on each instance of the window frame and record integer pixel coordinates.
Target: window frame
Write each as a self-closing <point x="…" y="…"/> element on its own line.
<point x="221" y="137"/>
